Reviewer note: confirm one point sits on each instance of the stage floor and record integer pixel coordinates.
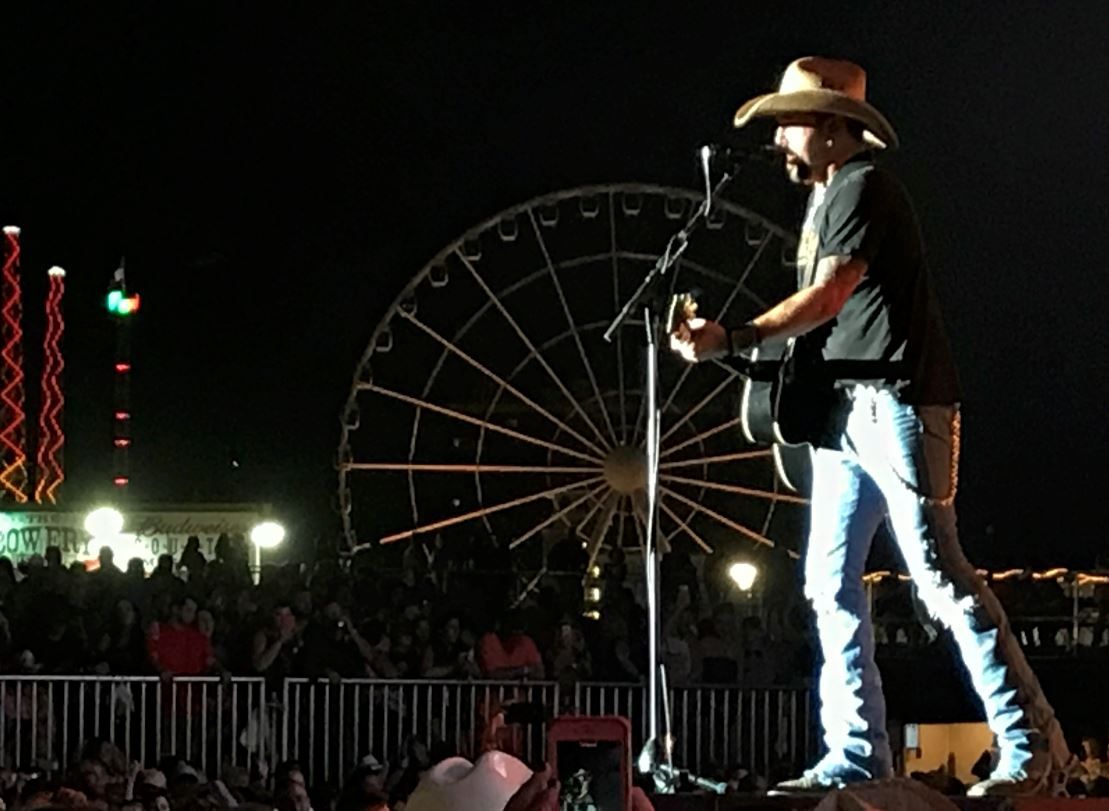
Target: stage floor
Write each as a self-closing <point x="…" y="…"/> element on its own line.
<point x="901" y="795"/>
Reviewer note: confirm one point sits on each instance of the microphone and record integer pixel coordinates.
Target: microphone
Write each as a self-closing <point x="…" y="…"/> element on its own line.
<point x="736" y="153"/>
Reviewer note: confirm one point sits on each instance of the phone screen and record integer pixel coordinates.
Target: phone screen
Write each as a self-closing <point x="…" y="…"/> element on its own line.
<point x="590" y="775"/>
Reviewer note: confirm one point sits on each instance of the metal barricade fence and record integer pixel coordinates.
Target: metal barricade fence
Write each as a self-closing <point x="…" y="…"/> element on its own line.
<point x="212" y="722"/>
<point x="766" y="730"/>
<point x="328" y="726"/>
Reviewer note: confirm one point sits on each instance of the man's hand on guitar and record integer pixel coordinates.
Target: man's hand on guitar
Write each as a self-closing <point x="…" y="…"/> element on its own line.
<point x="697" y="339"/>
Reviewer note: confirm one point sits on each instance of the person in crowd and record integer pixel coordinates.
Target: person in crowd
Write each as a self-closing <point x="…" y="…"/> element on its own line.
<point x="122" y="647"/>
<point x="507" y="652"/>
<point x="446" y="657"/>
<point x="192" y="559"/>
<point x="569" y="656"/>
<point x="177" y="647"/>
<point x="333" y="646"/>
<point x="275" y="648"/>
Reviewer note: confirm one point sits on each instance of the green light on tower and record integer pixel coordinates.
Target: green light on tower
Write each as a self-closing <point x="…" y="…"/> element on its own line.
<point x="118" y="304"/>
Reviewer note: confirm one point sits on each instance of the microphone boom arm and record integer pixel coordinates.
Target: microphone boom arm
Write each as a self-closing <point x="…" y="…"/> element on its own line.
<point x="675" y="247"/>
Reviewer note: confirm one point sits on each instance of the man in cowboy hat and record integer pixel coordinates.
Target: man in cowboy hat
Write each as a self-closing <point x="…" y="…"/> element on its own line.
<point x="891" y="453"/>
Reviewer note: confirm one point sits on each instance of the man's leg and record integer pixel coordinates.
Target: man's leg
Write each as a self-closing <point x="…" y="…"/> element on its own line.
<point x="846" y="508"/>
<point x="917" y="477"/>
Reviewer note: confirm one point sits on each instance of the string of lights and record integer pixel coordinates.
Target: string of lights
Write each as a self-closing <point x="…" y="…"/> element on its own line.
<point x="51" y="439"/>
<point x="13" y="435"/>
<point x="1080" y="578"/>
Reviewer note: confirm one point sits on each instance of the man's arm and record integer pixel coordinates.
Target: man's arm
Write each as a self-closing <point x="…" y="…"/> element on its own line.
<point x="263" y="655"/>
<point x="836" y="279"/>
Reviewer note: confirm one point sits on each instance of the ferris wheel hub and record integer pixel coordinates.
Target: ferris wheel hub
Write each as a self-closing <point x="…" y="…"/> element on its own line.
<point x="625" y="469"/>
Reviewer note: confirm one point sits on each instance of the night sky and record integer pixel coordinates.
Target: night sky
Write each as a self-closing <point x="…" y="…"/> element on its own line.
<point x="274" y="175"/>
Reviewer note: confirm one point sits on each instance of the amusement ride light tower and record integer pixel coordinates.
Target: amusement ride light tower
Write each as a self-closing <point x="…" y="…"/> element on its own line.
<point x="122" y="306"/>
<point x="13" y="431"/>
<point x="51" y="437"/>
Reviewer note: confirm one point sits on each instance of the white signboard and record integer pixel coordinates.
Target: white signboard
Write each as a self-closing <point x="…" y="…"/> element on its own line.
<point x="148" y="534"/>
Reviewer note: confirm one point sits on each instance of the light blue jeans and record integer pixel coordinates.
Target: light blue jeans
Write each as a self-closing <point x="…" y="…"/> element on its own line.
<point x="898" y="463"/>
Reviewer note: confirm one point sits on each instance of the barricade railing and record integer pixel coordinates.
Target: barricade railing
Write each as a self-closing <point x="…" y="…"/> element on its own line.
<point x="212" y="722"/>
<point x="329" y="725"/>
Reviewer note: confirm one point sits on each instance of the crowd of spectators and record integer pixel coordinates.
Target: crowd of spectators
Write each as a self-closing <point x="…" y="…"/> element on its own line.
<point x="100" y="778"/>
<point x="457" y="610"/>
<point x="428" y="611"/>
<point x="451" y="610"/>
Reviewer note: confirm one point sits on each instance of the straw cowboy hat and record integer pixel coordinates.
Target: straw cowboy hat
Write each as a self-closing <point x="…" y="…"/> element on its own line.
<point x="815" y="84"/>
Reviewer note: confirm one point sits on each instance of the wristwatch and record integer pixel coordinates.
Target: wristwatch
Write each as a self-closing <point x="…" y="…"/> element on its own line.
<point x="741" y="338"/>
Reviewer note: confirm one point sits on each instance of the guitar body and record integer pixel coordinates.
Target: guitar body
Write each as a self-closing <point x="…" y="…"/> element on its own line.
<point x="786" y="403"/>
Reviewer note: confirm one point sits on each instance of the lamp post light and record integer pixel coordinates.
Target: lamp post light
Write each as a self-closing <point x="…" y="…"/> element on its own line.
<point x="105" y="525"/>
<point x="744" y="575"/>
<point x="104" y="522"/>
<point x="266" y="535"/>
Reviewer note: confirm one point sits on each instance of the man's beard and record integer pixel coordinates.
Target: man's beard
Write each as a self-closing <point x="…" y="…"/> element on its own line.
<point x="798" y="171"/>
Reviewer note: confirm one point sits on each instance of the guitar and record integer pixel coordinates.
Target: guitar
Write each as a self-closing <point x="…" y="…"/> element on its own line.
<point x="787" y="400"/>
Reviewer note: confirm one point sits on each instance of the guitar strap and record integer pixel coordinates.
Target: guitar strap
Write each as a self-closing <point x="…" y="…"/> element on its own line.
<point x="808" y="247"/>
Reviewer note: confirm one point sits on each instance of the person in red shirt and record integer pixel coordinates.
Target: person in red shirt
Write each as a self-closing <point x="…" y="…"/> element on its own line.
<point x="507" y="652"/>
<point x="177" y="647"/>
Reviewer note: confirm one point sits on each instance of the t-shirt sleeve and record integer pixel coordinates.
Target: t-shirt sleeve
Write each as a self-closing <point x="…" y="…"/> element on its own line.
<point x="857" y="217"/>
<point x="489" y="653"/>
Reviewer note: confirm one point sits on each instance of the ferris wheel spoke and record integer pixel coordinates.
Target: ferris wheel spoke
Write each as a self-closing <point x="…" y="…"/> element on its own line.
<point x="733" y="488"/>
<point x="693" y="440"/>
<point x="736" y="288"/>
<point x="504" y="384"/>
<point x="600" y="529"/>
<point x="496" y="302"/>
<point x="640" y="419"/>
<point x="697" y="539"/>
<point x="739" y="456"/>
<point x="723" y="519"/>
<point x="598" y="504"/>
<point x="692" y="412"/>
<point x="423" y="467"/>
<point x="619" y="332"/>
<point x="489" y="426"/>
<point x="546" y="522"/>
<point x="623" y="519"/>
<point x="570" y="323"/>
<point x="741" y="282"/>
<point x="484" y="511"/>
<point x="640" y="523"/>
<point x="716" y="275"/>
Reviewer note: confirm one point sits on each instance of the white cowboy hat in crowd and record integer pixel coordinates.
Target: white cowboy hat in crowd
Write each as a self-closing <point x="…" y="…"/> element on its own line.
<point x="815" y="84"/>
<point x="456" y="784"/>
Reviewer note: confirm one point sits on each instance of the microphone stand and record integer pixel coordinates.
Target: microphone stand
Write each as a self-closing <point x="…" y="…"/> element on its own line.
<point x="656" y="757"/>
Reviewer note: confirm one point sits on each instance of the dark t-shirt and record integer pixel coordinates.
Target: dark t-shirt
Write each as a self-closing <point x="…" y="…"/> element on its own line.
<point x="892" y="315"/>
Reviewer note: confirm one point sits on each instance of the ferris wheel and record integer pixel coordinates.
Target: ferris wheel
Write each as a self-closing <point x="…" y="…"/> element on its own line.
<point x="488" y="400"/>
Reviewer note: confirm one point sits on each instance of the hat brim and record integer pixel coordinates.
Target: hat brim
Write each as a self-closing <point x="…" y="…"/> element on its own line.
<point x="878" y="131"/>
